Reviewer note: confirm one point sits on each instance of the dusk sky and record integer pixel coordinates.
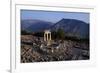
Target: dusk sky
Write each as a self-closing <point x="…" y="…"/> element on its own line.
<point x="52" y="16"/>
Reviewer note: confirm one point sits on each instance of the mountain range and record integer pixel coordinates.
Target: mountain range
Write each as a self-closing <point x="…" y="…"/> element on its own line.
<point x="72" y="27"/>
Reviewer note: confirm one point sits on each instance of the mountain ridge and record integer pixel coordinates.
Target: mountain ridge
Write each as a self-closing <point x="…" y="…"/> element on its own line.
<point x="72" y="26"/>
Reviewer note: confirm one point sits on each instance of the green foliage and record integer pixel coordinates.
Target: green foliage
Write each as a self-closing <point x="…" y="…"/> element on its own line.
<point x="39" y="34"/>
<point x="60" y="34"/>
<point x="54" y="35"/>
<point x="78" y="39"/>
<point x="24" y="32"/>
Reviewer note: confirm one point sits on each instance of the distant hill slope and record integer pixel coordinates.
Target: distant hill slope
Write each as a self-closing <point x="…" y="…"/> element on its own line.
<point x="35" y="25"/>
<point x="73" y="27"/>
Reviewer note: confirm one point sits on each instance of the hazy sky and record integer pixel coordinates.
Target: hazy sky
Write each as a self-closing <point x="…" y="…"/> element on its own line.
<point x="52" y="16"/>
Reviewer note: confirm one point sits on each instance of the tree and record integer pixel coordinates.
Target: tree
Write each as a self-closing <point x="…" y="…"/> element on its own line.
<point x="60" y="34"/>
<point x="24" y="32"/>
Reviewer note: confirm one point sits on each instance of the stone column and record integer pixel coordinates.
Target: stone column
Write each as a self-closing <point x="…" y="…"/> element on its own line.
<point x="44" y="37"/>
<point x="50" y="36"/>
<point x="47" y="36"/>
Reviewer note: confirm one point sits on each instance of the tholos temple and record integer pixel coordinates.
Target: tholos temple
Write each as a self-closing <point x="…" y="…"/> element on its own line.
<point x="47" y="36"/>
